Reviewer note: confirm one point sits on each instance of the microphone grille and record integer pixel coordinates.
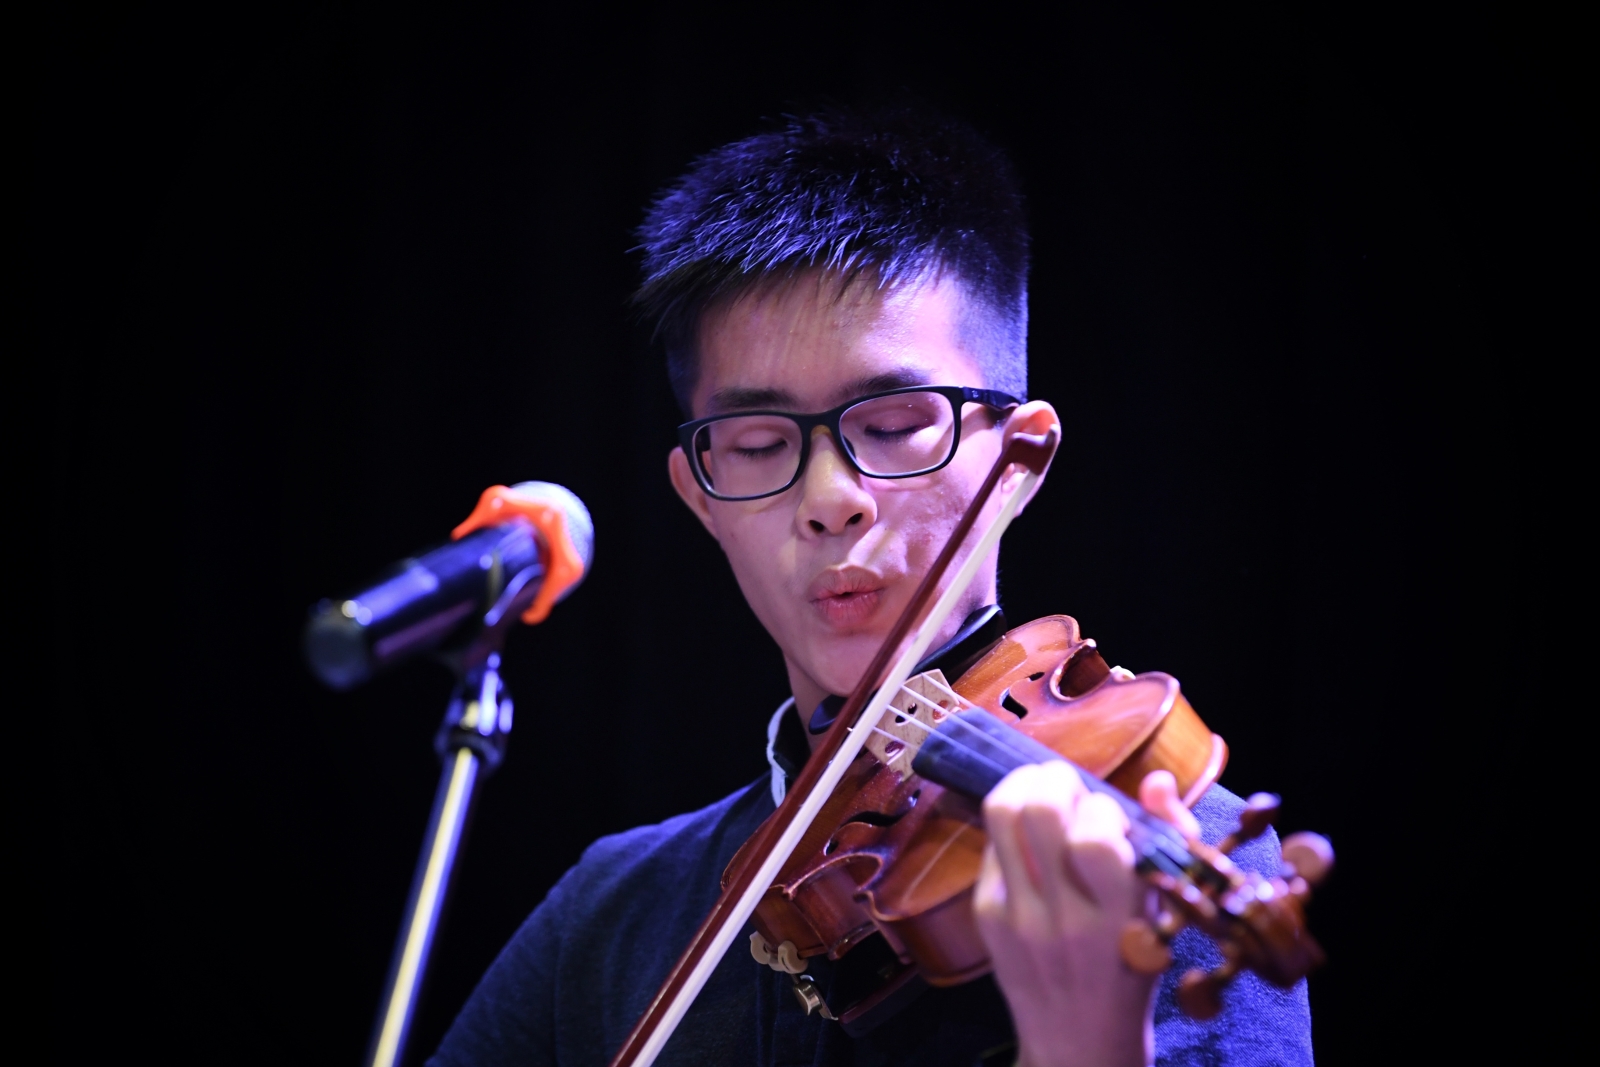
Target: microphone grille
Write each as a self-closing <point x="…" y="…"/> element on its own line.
<point x="580" y="526"/>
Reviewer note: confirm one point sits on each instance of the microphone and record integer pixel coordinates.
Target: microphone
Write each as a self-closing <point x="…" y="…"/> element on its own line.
<point x="482" y="578"/>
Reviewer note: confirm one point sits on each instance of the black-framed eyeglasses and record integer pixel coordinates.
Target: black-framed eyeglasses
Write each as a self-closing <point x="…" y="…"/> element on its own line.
<point x="899" y="433"/>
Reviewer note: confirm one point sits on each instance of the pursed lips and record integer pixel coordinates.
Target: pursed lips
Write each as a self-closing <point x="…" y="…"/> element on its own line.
<point x="847" y="597"/>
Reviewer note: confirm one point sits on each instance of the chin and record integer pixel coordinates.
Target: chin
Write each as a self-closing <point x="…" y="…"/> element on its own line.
<point x="841" y="660"/>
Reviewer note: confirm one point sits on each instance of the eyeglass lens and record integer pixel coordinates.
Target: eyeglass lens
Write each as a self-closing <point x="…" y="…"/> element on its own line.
<point x="905" y="433"/>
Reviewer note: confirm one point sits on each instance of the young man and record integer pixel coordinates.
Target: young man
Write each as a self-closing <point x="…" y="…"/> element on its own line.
<point x="857" y="270"/>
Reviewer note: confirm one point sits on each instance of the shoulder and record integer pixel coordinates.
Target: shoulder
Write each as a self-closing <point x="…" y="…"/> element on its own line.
<point x="685" y="844"/>
<point x="579" y="971"/>
<point x="613" y="926"/>
<point x="1218" y="812"/>
<point x="1260" y="1023"/>
<point x="640" y="888"/>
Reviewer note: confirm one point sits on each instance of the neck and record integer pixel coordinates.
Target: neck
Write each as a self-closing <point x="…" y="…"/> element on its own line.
<point x="807" y="695"/>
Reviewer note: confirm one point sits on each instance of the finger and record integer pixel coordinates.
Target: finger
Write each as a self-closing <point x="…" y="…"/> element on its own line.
<point x="1006" y="944"/>
<point x="1002" y="812"/>
<point x="1100" y="855"/>
<point x="1044" y="819"/>
<point x="989" y="897"/>
<point x="1158" y="793"/>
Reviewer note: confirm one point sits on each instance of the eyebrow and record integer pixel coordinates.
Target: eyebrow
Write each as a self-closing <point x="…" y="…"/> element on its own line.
<point x="738" y="399"/>
<point x="744" y="399"/>
<point x="898" y="378"/>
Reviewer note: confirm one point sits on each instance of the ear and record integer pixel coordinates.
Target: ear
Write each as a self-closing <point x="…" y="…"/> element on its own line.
<point x="689" y="490"/>
<point x="1035" y="418"/>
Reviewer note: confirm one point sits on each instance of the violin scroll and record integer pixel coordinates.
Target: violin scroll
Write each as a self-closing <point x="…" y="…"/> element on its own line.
<point x="1258" y="923"/>
<point x="1259" y="811"/>
<point x="1146" y="945"/>
<point x="1307" y="856"/>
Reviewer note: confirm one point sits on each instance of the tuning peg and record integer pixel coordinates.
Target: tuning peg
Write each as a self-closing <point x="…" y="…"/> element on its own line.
<point x="1143" y="947"/>
<point x="1308" y="856"/>
<point x="1258" y="813"/>
<point x="1200" y="993"/>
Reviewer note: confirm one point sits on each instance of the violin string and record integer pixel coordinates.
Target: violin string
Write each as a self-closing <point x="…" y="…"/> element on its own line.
<point x="971" y="751"/>
<point x="909" y="716"/>
<point x="1177" y="847"/>
<point x="906" y="716"/>
<point x="964" y="747"/>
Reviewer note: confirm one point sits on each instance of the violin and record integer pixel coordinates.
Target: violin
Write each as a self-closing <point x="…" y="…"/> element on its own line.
<point x="897" y="848"/>
<point x="881" y="832"/>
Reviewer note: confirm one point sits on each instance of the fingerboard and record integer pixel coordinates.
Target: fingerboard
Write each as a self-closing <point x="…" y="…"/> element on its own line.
<point x="972" y="751"/>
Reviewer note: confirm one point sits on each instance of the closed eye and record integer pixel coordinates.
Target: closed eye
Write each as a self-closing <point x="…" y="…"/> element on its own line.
<point x="763" y="452"/>
<point x="896" y="433"/>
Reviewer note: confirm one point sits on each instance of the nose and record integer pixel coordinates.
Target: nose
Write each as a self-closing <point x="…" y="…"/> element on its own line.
<point x="832" y="498"/>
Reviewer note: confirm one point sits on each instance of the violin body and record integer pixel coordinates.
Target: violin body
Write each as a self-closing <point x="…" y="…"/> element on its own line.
<point x="896" y="854"/>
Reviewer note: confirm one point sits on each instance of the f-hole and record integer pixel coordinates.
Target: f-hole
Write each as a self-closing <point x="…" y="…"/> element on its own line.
<point x="875" y="818"/>
<point x="1013" y="705"/>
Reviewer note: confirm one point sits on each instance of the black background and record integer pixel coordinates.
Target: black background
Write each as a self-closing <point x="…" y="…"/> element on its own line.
<point x="310" y="278"/>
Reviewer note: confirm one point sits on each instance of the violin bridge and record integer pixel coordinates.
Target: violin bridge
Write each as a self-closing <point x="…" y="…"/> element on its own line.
<point x="921" y="706"/>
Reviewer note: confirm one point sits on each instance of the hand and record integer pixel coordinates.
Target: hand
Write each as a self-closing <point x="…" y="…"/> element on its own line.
<point x="1057" y="887"/>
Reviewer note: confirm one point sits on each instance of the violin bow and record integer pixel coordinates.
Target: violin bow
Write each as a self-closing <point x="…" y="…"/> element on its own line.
<point x="817" y="780"/>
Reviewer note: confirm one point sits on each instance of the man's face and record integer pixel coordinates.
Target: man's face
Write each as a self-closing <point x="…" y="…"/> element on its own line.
<point x="829" y="564"/>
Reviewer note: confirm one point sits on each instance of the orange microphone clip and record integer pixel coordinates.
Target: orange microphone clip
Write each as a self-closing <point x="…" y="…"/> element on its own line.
<point x="563" y="566"/>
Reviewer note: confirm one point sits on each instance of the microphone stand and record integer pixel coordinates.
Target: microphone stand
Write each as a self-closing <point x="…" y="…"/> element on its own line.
<point x="471" y="743"/>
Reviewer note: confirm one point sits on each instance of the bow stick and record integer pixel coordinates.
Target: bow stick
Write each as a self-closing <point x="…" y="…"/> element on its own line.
<point x="834" y="754"/>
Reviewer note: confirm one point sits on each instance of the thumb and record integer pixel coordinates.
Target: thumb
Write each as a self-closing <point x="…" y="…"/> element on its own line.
<point x="1159" y="795"/>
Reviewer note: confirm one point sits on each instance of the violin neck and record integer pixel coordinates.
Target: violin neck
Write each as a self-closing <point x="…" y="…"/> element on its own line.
<point x="972" y="751"/>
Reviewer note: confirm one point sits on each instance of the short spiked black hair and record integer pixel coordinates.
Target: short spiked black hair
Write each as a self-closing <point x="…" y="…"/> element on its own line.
<point x="898" y="196"/>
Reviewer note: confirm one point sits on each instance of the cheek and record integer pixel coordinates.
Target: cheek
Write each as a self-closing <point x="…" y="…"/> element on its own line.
<point x="758" y="549"/>
<point x="962" y="481"/>
<point x="924" y="517"/>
